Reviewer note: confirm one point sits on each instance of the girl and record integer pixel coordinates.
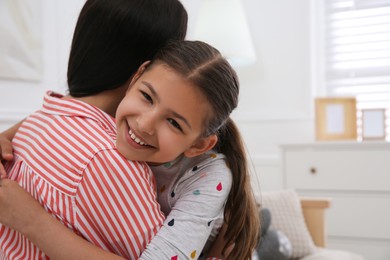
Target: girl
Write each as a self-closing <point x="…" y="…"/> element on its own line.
<point x="184" y="97"/>
<point x="111" y="40"/>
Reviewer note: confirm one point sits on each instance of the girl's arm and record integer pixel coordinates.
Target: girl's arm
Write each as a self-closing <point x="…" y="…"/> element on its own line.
<point x="201" y="194"/>
<point x="6" y="146"/>
<point x="20" y="211"/>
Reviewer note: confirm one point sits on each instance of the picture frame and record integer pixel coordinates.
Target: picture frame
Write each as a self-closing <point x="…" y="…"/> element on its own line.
<point x="336" y="118"/>
<point x="373" y="124"/>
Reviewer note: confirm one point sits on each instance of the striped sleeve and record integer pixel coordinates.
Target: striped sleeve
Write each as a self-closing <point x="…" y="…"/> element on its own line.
<point x="116" y="205"/>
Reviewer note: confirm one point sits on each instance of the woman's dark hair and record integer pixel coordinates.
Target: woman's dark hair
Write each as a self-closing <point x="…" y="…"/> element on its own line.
<point x="113" y="38"/>
<point x="204" y="67"/>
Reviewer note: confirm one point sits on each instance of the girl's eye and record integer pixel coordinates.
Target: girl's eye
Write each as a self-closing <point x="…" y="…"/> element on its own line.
<point x="147" y="97"/>
<point x="175" y="124"/>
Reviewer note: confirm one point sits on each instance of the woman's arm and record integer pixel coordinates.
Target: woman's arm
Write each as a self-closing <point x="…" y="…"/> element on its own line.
<point x="20" y="211"/>
<point x="6" y="146"/>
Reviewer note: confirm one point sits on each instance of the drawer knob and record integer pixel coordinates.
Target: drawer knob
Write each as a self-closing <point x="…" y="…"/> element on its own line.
<point x="313" y="170"/>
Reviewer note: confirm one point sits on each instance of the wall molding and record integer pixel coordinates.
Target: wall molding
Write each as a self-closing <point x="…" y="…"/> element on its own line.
<point x="256" y="118"/>
<point x="12" y="116"/>
<point x="259" y="160"/>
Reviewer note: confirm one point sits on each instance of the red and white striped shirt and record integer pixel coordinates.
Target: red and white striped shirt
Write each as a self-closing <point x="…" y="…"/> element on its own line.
<point x="65" y="156"/>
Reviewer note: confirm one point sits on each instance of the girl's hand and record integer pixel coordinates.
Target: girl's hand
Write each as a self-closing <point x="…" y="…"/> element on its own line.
<point x="3" y="173"/>
<point x="6" y="146"/>
<point x="5" y="153"/>
<point x="18" y="209"/>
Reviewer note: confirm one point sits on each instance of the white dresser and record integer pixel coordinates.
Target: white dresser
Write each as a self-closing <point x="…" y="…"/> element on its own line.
<point x="357" y="178"/>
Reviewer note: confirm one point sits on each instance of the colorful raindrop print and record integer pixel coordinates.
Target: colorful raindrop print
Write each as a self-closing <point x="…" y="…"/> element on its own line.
<point x="219" y="186"/>
<point x="193" y="254"/>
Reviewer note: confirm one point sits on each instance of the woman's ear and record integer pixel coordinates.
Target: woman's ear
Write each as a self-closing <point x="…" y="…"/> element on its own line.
<point x="202" y="145"/>
<point x="139" y="72"/>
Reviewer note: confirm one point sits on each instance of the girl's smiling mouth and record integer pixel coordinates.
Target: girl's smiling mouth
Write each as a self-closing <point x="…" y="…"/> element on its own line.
<point x="135" y="140"/>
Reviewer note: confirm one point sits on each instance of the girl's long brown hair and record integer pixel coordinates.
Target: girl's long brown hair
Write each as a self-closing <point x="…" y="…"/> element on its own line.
<point x="241" y="213"/>
<point x="205" y="68"/>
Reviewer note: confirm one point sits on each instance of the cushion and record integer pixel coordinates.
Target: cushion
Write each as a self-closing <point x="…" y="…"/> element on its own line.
<point x="287" y="216"/>
<point x="326" y="254"/>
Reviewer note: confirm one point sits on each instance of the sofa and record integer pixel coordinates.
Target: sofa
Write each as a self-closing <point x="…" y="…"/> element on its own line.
<point x="302" y="220"/>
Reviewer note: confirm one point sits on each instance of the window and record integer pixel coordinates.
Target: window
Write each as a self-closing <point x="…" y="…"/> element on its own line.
<point x="357" y="53"/>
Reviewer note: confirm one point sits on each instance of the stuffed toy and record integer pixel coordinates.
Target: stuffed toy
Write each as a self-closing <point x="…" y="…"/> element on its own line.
<point x="274" y="244"/>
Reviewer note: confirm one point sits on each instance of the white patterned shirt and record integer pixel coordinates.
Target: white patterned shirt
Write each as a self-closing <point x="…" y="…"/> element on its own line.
<point x="192" y="193"/>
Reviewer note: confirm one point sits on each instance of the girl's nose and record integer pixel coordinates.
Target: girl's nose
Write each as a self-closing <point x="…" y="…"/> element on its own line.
<point x="146" y="123"/>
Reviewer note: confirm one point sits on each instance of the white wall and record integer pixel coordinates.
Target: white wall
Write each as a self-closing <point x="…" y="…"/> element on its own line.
<point x="276" y="92"/>
<point x="19" y="98"/>
<point x="275" y="104"/>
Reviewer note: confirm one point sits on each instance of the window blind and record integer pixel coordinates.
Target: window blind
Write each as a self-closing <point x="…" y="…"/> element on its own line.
<point x="357" y="53"/>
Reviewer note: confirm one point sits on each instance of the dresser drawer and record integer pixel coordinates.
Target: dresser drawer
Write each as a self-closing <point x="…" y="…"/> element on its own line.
<point x="320" y="168"/>
<point x="357" y="178"/>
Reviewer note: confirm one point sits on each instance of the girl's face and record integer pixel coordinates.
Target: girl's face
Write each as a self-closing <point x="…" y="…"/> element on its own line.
<point x="161" y="117"/>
